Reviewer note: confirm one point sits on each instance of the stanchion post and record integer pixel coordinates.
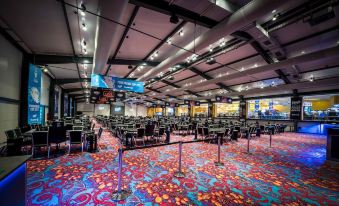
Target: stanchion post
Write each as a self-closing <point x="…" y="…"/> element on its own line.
<point x="271" y="138"/>
<point x="120" y="194"/>
<point x="179" y="173"/>
<point x="248" y="144"/>
<point x="219" y="163"/>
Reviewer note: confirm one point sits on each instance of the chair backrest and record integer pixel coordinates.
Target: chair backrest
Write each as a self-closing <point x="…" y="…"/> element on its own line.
<point x="10" y="134"/>
<point x="75" y="136"/>
<point x="56" y="134"/>
<point x="161" y="130"/>
<point x="78" y="128"/>
<point x="149" y="129"/>
<point x="40" y="138"/>
<point x="200" y="130"/>
<point x="141" y="132"/>
<point x="69" y="127"/>
<point x="17" y="132"/>
<point x="205" y="130"/>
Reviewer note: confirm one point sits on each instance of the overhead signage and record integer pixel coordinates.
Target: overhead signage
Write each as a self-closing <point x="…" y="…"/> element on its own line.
<point x="223" y="99"/>
<point x="34" y="95"/>
<point x="116" y="83"/>
<point x="296" y="106"/>
<point x="106" y="96"/>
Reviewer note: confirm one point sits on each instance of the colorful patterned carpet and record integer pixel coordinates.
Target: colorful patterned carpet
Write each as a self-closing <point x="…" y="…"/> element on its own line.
<point x="292" y="172"/>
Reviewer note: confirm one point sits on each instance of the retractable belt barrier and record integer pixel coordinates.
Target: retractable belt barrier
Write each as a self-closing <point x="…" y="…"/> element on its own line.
<point x="121" y="194"/>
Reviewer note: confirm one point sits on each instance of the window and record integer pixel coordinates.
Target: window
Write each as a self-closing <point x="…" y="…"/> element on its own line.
<point x="277" y="108"/>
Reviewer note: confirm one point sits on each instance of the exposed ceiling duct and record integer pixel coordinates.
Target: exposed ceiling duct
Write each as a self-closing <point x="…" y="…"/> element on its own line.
<point x="315" y="56"/>
<point x="249" y="13"/>
<point x="106" y="31"/>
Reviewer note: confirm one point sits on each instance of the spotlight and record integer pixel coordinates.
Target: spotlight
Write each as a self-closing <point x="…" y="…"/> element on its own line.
<point x="181" y="32"/>
<point x="174" y="19"/>
<point x="45" y="70"/>
<point x="84" y="27"/>
<point x="311" y="78"/>
<point x="169" y="41"/>
<point x="83" y="9"/>
<point x="275" y="17"/>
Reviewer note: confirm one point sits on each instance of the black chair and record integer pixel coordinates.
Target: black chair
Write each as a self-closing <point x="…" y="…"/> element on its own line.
<point x="140" y="135"/>
<point x="75" y="137"/>
<point x="57" y="135"/>
<point x="149" y="130"/>
<point x="160" y="133"/>
<point x="69" y="127"/>
<point x="13" y="143"/>
<point x="40" y="139"/>
<point x="78" y="128"/>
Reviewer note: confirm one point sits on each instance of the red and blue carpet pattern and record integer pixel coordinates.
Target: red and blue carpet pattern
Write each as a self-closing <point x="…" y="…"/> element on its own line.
<point x="292" y="172"/>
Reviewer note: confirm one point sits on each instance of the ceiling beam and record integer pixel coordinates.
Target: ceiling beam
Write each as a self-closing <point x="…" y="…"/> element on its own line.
<point x="131" y="19"/>
<point x="70" y="36"/>
<point x="164" y="7"/>
<point x="226" y="5"/>
<point x="177" y="86"/>
<point x="72" y="90"/>
<point x="208" y="77"/>
<point x="162" y="42"/>
<point x="43" y="59"/>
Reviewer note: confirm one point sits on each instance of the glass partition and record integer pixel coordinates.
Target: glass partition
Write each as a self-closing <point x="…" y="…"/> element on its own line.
<point x="182" y="110"/>
<point x="226" y="109"/>
<point x="321" y="107"/>
<point x="200" y="111"/>
<point x="277" y="108"/>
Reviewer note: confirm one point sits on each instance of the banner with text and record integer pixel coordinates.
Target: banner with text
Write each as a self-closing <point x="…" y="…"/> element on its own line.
<point x="101" y="81"/>
<point x="34" y="95"/>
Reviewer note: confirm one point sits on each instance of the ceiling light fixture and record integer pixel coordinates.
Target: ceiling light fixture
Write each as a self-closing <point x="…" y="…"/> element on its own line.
<point x="181" y="32"/>
<point x="274" y="11"/>
<point x="169" y="41"/>
<point x="84" y="27"/>
<point x="311" y="78"/>
<point x="45" y="70"/>
<point x="275" y="17"/>
<point x="174" y="19"/>
<point x="83" y="9"/>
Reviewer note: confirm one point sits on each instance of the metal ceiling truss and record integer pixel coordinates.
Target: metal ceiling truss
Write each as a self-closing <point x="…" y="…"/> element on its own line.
<point x="129" y="24"/>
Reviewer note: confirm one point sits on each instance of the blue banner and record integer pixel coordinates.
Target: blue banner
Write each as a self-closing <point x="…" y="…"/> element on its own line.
<point x="66" y="113"/>
<point x="100" y="81"/>
<point x="34" y="95"/>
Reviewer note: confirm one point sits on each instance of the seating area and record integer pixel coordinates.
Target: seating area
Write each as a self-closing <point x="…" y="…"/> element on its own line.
<point x="71" y="131"/>
<point x="169" y="102"/>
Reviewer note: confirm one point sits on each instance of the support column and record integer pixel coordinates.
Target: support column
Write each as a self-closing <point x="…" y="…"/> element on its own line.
<point x="51" y="100"/>
<point x="23" y="109"/>
<point x="62" y="104"/>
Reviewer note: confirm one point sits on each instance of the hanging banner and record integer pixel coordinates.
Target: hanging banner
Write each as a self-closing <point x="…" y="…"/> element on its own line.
<point x="66" y="112"/>
<point x="223" y="99"/>
<point x="256" y="105"/>
<point x="106" y="96"/>
<point x="296" y="106"/>
<point x="34" y="95"/>
<point x="108" y="82"/>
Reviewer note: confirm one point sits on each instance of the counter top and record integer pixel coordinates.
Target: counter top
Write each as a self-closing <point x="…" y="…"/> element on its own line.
<point x="9" y="164"/>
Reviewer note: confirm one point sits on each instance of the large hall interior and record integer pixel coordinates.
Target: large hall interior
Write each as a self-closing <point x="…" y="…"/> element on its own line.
<point x="169" y="102"/>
